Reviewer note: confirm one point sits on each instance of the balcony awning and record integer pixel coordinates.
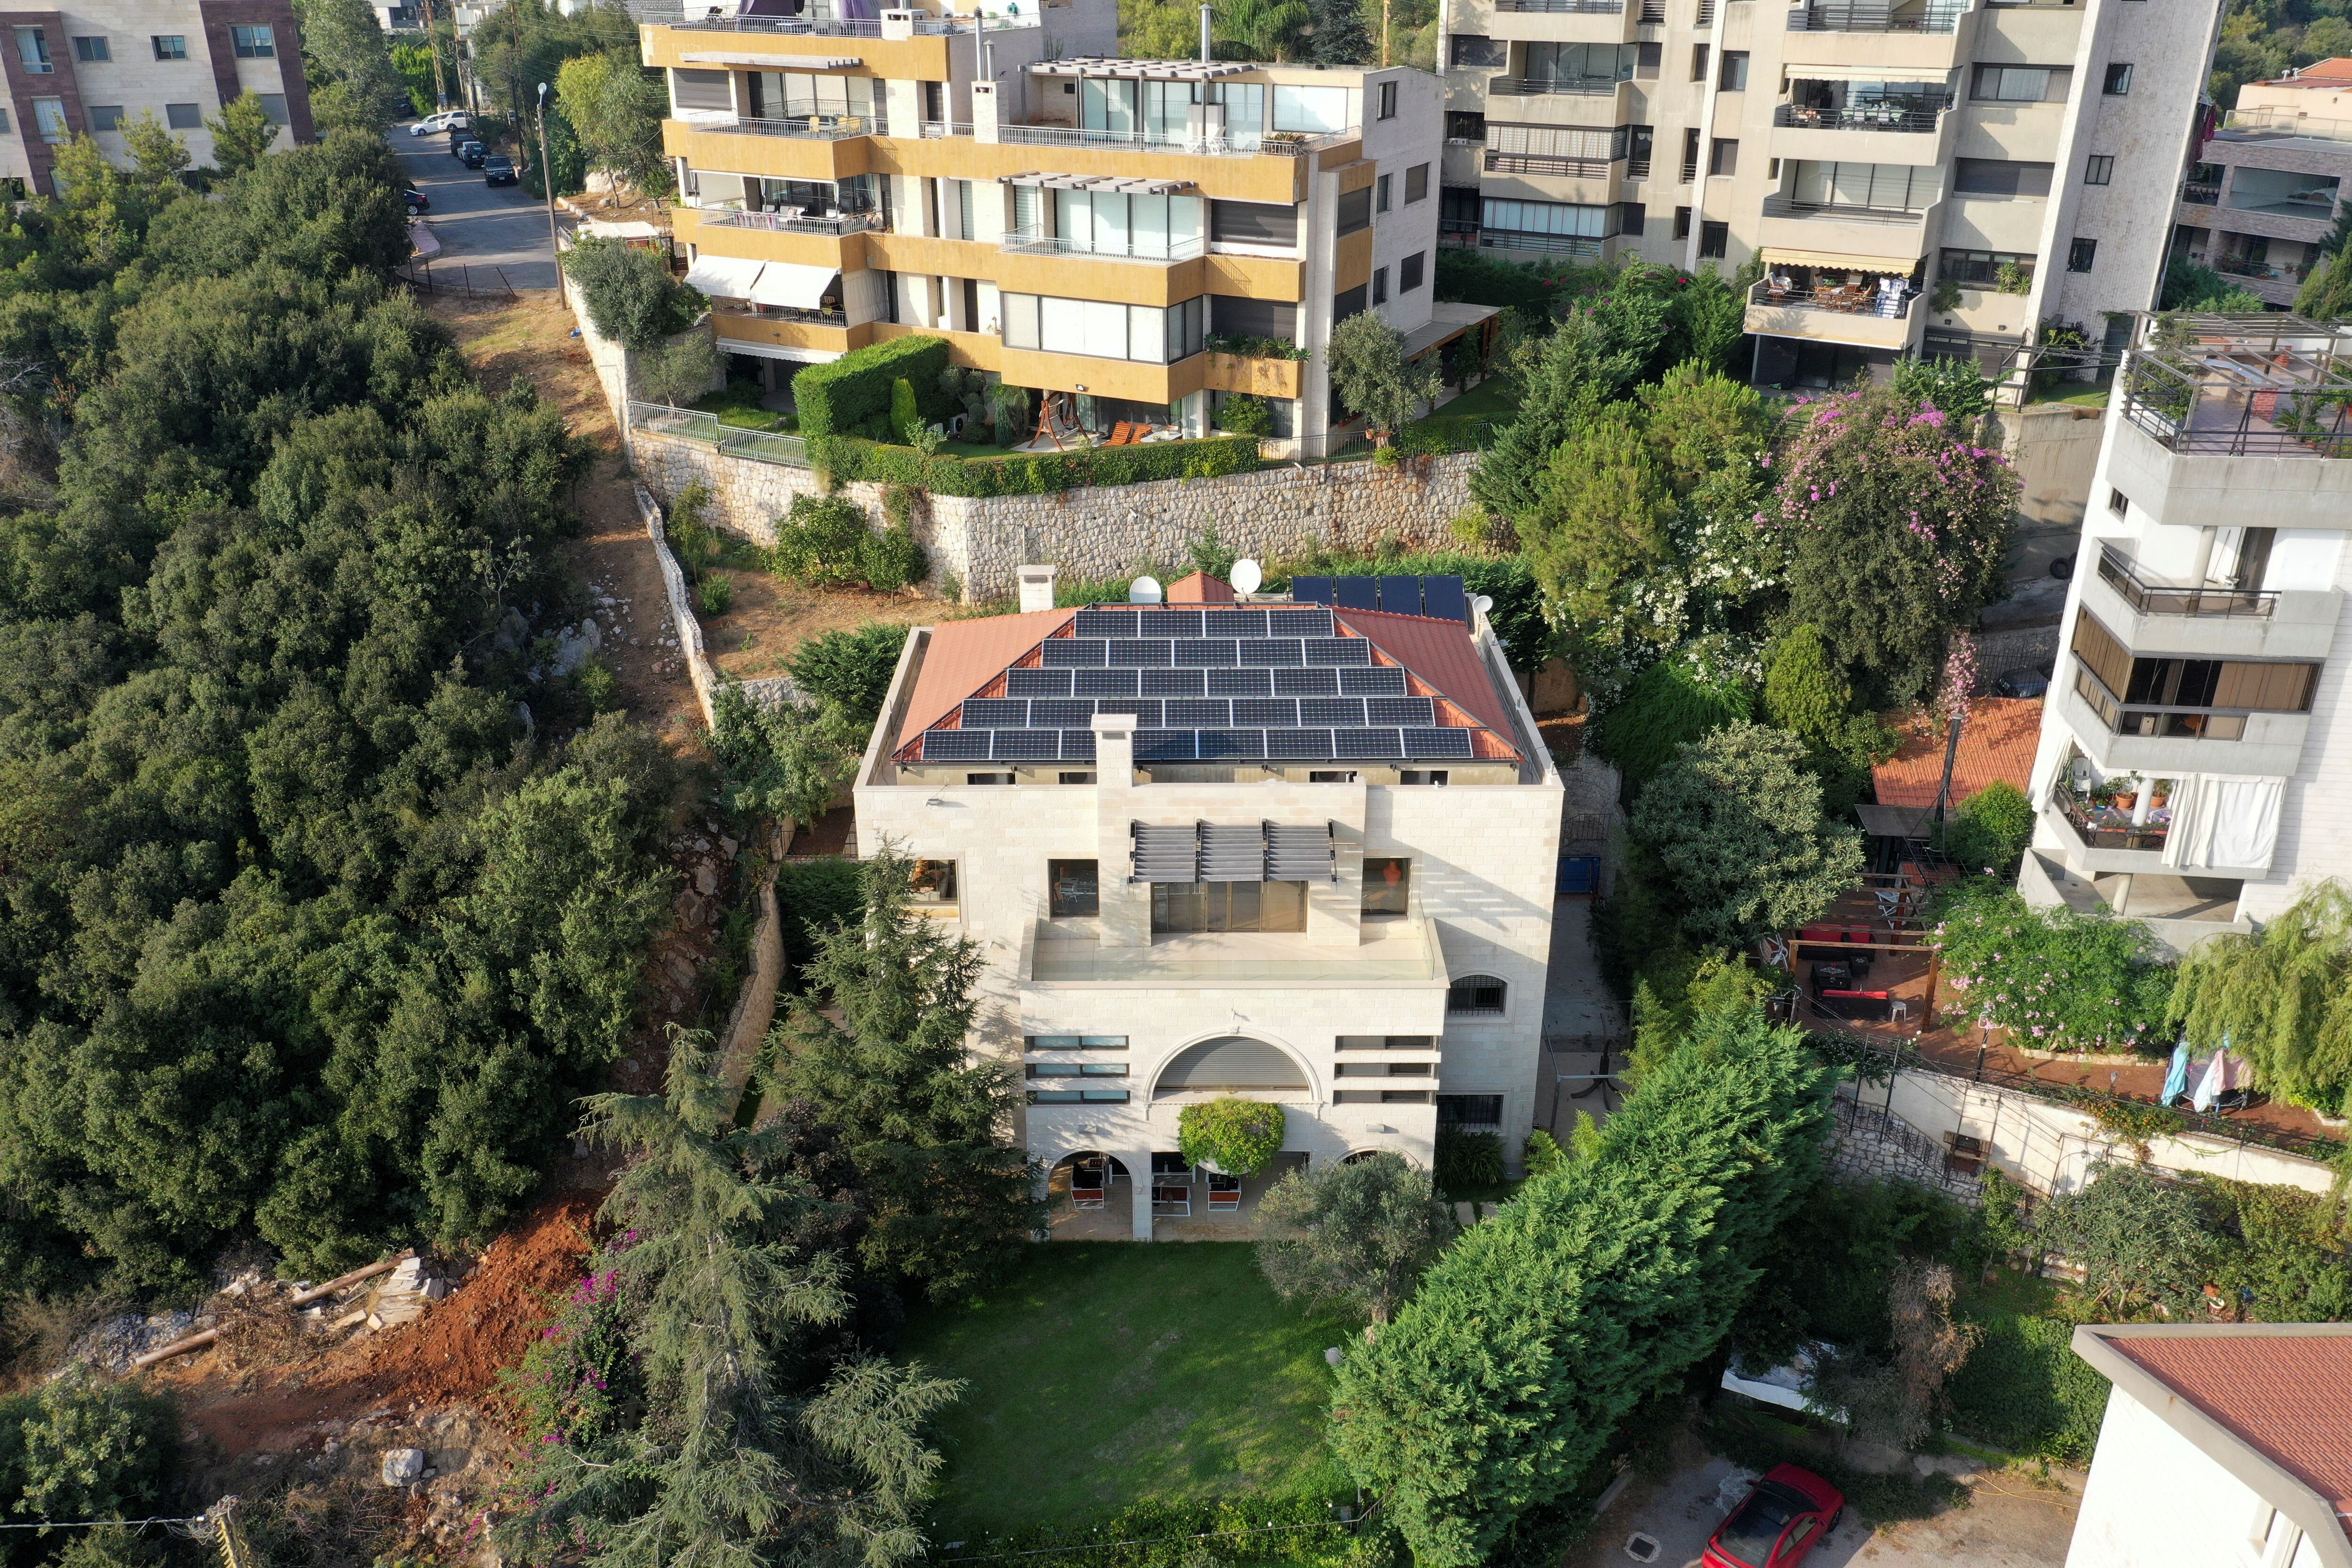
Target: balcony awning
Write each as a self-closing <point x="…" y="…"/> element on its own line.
<point x="1148" y="70"/>
<point x="770" y="62"/>
<point x="1842" y="260"/>
<point x="790" y="283"/>
<point x="1115" y="184"/>
<point x="723" y="277"/>
<point x="1243" y="852"/>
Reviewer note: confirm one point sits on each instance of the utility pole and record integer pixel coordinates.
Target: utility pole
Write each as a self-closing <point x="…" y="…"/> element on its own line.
<point x="220" y="1527"/>
<point x="547" y="183"/>
<point x="1384" y="34"/>
<point x="433" y="44"/>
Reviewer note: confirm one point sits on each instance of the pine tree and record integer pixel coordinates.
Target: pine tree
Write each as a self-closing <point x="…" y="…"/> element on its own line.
<point x="1337" y="35"/>
<point x="1563" y="379"/>
<point x="924" y="1122"/>
<point x="730" y="1466"/>
<point x="1599" y="1287"/>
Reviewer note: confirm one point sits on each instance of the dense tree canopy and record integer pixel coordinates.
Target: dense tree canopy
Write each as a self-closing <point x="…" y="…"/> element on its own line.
<point x="311" y="921"/>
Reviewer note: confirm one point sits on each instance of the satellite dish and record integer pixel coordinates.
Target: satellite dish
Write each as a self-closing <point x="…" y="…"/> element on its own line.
<point x="1247" y="576"/>
<point x="1483" y="605"/>
<point x="1143" y="591"/>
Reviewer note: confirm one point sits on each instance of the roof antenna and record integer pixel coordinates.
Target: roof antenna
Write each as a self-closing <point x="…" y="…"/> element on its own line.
<point x="1205" y="9"/>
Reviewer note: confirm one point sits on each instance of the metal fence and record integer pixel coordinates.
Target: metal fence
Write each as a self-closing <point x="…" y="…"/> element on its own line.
<point x="457" y="278"/>
<point x="695" y="425"/>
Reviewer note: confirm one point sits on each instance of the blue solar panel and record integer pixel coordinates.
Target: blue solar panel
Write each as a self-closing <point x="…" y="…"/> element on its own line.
<point x="1331" y="710"/>
<point x="1028" y="746"/>
<point x="1037" y="683"/>
<point x="1387" y="680"/>
<point x="1221" y="743"/>
<point x="1077" y="745"/>
<point x="1102" y="682"/>
<point x="1143" y="652"/>
<point x="1105" y="622"/>
<point x="1437" y="742"/>
<point x="1298" y="622"/>
<point x="1240" y="682"/>
<point x="1266" y="711"/>
<point x="1302" y="745"/>
<point x="1306" y="682"/>
<point x="1071" y="653"/>
<point x="1169" y="624"/>
<point x="1399" y="710"/>
<point x="1367" y="745"/>
<point x="1443" y="598"/>
<point x="1401" y="595"/>
<point x="1193" y="712"/>
<point x="1310" y="590"/>
<point x="982" y="713"/>
<point x="1164" y="745"/>
<point x="1270" y="651"/>
<point x="956" y="745"/>
<point x="1172" y="683"/>
<point x="1062" y="713"/>
<point x="1338" y="650"/>
<point x="1203" y="652"/>
<point x="1234" y="623"/>
<point x="1356" y="593"/>
<point x="1146" y="709"/>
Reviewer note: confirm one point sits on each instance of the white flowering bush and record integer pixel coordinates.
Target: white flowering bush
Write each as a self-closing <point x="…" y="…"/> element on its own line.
<point x="2055" y="979"/>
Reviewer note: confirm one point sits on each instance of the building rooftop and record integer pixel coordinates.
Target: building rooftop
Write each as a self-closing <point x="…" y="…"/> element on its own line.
<point x="2255" y="384"/>
<point x="2283" y="1390"/>
<point x="1211" y="679"/>
<point x="2332" y="75"/>
<point x="1996" y="744"/>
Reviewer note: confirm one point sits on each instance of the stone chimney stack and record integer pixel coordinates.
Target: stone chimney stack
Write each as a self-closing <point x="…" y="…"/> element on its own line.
<point x="1036" y="588"/>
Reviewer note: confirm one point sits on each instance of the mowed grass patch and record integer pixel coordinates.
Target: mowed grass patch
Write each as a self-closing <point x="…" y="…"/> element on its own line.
<point x="1105" y="1373"/>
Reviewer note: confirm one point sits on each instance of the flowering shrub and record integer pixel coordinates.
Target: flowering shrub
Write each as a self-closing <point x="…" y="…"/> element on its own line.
<point x="2053" y="980"/>
<point x="1897" y="521"/>
<point x="579" y="1373"/>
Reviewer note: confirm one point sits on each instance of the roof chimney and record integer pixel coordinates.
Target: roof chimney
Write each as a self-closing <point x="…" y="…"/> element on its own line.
<point x="1036" y="588"/>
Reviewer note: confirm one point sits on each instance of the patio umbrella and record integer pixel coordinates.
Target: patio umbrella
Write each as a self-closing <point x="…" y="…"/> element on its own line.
<point x="2176" y="1081"/>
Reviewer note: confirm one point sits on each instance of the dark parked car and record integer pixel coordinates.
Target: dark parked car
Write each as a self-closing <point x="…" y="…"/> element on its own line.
<point x="1784" y="1516"/>
<point x="416" y="202"/>
<point x="473" y="154"/>
<point x="499" y="172"/>
<point x="2022" y="683"/>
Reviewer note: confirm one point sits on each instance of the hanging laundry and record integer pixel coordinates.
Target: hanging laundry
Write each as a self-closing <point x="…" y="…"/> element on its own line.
<point x="2176" y="1081"/>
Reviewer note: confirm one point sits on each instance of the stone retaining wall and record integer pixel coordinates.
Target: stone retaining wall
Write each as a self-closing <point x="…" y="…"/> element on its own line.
<point x="1099" y="531"/>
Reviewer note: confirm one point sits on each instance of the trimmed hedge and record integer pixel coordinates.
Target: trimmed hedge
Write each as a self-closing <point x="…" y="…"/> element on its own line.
<point x="842" y="458"/>
<point x="843" y="394"/>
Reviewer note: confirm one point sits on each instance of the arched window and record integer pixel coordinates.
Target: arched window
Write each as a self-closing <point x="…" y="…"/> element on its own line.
<point x="1476" y="997"/>
<point x="1232" y="1064"/>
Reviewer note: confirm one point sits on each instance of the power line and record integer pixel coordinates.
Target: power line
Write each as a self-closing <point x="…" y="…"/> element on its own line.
<point x="101" y="1523"/>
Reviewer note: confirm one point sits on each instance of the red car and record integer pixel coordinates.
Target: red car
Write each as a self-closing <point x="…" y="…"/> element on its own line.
<point x="1784" y="1516"/>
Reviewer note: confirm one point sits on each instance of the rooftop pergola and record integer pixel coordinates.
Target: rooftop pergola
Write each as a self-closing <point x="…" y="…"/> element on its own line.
<point x="2259" y="384"/>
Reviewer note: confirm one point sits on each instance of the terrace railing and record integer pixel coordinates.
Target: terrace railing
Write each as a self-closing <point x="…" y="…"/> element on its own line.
<point x="2118" y="571"/>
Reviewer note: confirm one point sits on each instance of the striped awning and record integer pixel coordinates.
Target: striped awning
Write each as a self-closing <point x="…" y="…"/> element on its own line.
<point x="1149" y="70"/>
<point x="1844" y="261"/>
<point x="1239" y="852"/>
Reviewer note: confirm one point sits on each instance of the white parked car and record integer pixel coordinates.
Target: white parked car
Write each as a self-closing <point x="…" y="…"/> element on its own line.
<point x="447" y="119"/>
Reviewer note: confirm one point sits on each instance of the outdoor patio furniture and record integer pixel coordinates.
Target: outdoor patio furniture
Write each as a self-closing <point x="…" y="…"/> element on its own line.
<point x="1089" y="1177"/>
<point x="1224" y="1193"/>
<point x="1963" y="1155"/>
<point x="1853" y="1006"/>
<point x="1122" y="435"/>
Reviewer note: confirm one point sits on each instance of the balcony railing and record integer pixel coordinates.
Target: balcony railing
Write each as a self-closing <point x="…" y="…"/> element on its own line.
<point x="1539" y="86"/>
<point x="787" y="223"/>
<point x="1855" y="301"/>
<point x="2202" y="195"/>
<point x="1281" y="143"/>
<point x="1547" y="163"/>
<point x="1653" y="14"/>
<point x="1579" y="7"/>
<point x="2245" y="267"/>
<point x="1787" y="206"/>
<point x="842" y="27"/>
<point x="2117" y="572"/>
<point x="2156" y="721"/>
<point x="1907" y="114"/>
<point x="2104" y="827"/>
<point x="783" y="313"/>
<point x="2258" y="391"/>
<point x="813" y="127"/>
<point x="2254" y="124"/>
<point x="1028" y="242"/>
<point x="1551" y="244"/>
<point x="1860" y="19"/>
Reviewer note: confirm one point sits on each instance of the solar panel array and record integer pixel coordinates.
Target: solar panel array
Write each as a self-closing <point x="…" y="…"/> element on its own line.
<point x="1271" y="683"/>
<point x="1437" y="598"/>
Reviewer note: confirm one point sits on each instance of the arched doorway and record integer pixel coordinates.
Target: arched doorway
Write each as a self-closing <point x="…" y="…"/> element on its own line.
<point x="1232" y="1064"/>
<point x="1093" y="1198"/>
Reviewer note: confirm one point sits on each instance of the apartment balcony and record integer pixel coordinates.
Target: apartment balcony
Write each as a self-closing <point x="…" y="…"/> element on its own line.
<point x="825" y="331"/>
<point x="1560" y="21"/>
<point x="1915" y="117"/>
<point x="1910" y="43"/>
<point x="1900" y="131"/>
<point x="1871" y="236"/>
<point x="822" y="149"/>
<point x="1548" y="167"/>
<point x="838" y="243"/>
<point x="832" y="225"/>
<point x="2198" y="194"/>
<point x="2277" y="127"/>
<point x="1029" y="242"/>
<point x="1857" y="316"/>
<point x="2155" y="617"/>
<point x="2103" y="838"/>
<point x="2246" y="387"/>
<point x="1554" y="87"/>
<point x="1390" y="957"/>
<point x="1258" y="376"/>
<point x="2163" y="741"/>
<point x="913" y="50"/>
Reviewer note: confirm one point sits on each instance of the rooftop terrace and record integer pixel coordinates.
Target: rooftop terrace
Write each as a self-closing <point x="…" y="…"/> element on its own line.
<point x="2242" y="385"/>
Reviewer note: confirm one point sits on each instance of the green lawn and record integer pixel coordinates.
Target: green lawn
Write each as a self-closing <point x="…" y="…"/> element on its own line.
<point x="1495" y="398"/>
<point x="737" y="406"/>
<point x="1105" y="1373"/>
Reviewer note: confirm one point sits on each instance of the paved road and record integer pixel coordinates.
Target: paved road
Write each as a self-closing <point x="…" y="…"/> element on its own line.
<point x="478" y="227"/>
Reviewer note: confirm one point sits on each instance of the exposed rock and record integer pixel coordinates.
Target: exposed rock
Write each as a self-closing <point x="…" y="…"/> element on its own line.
<point x="403" y="1466"/>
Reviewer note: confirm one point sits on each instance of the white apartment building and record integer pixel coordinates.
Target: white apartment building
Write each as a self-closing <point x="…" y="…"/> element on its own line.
<point x="1297" y="851"/>
<point x="2224" y="1446"/>
<point x="1870" y="153"/>
<point x="2264" y="193"/>
<point x="2194" y="770"/>
<point x="1077" y="222"/>
<point x="97" y="68"/>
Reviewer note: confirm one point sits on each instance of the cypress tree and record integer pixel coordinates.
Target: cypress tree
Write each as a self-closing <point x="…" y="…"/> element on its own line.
<point x="1598" y="1288"/>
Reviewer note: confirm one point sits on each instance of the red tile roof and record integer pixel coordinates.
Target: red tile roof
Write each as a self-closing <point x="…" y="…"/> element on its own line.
<point x="2327" y="73"/>
<point x="2287" y="1396"/>
<point x="1442" y="654"/>
<point x="965" y="656"/>
<point x="1200" y="588"/>
<point x="1997" y="742"/>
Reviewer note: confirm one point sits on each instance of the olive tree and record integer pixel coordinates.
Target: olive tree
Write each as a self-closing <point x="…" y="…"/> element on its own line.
<point x="1359" y="1233"/>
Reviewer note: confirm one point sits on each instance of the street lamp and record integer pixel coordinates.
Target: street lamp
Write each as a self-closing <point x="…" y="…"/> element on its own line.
<point x="547" y="183"/>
